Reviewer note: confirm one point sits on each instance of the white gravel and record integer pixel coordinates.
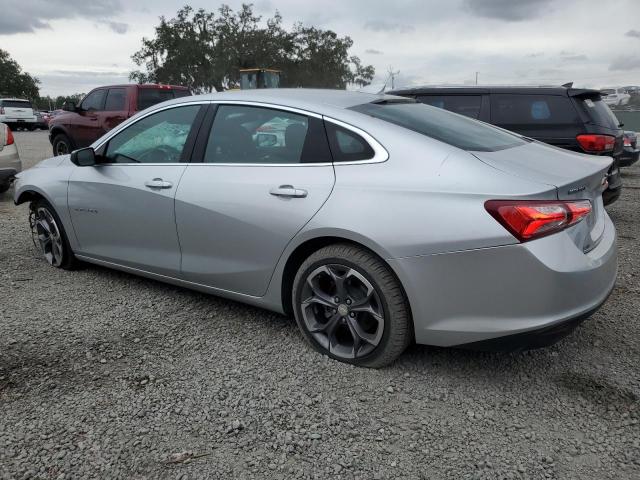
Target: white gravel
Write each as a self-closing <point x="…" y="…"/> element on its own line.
<point x="107" y="375"/>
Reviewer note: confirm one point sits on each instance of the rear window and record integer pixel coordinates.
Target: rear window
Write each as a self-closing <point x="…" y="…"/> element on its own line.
<point x="442" y="125"/>
<point x="467" y="105"/>
<point x="598" y="112"/>
<point x="511" y="109"/>
<point x="15" y="103"/>
<point x="147" y="97"/>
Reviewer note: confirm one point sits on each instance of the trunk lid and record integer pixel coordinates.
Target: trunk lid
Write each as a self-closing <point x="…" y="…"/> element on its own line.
<point x="17" y="109"/>
<point x="575" y="177"/>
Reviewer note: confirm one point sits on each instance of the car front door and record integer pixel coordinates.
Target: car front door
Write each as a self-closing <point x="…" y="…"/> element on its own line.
<point x="263" y="174"/>
<point x="85" y="127"/>
<point x="115" y="110"/>
<point x="122" y="209"/>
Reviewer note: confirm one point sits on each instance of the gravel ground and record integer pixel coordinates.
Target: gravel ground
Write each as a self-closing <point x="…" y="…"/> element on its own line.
<point x="107" y="375"/>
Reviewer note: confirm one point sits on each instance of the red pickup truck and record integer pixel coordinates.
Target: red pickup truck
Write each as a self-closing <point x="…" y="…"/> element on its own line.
<point x="103" y="109"/>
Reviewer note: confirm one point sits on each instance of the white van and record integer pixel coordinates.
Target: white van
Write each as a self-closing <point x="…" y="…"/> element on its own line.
<point x="17" y="113"/>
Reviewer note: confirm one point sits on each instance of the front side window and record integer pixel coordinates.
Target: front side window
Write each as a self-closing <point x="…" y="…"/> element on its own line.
<point x="511" y="109"/>
<point x="467" y="105"/>
<point x="158" y="138"/>
<point x="116" y="100"/>
<point x="244" y="134"/>
<point x="441" y="125"/>
<point x="94" y="101"/>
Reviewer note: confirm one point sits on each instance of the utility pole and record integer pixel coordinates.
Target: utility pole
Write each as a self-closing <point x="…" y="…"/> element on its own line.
<point x="476" y="78"/>
<point x="393" y="75"/>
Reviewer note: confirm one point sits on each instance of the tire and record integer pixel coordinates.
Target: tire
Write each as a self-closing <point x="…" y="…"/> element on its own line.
<point x="50" y="236"/>
<point x="4" y="187"/>
<point x="31" y="128"/>
<point x="62" y="145"/>
<point x="348" y="329"/>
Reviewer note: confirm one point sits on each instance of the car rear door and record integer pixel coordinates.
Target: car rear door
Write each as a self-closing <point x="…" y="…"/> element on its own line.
<point x="257" y="176"/>
<point x="122" y="209"/>
<point x="116" y="109"/>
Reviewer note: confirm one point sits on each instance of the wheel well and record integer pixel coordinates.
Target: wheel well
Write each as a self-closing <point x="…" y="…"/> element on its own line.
<point x="302" y="252"/>
<point x="29" y="196"/>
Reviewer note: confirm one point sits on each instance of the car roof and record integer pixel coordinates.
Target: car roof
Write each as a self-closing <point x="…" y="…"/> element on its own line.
<point x="314" y="100"/>
<point x="480" y="89"/>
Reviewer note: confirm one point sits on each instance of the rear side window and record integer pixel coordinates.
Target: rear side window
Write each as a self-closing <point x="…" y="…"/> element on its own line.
<point x="116" y="100"/>
<point x="467" y="105"/>
<point x="147" y="97"/>
<point x="15" y="104"/>
<point x="347" y="146"/>
<point x="598" y="112"/>
<point x="442" y="125"/>
<point x="512" y="109"/>
<point x="256" y="135"/>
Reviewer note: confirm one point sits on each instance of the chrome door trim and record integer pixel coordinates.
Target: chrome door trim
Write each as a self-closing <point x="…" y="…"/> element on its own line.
<point x="380" y="153"/>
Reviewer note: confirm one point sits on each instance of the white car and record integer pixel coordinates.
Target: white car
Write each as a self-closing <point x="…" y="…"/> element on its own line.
<point x="10" y="163"/>
<point x="615" y="97"/>
<point x="16" y="113"/>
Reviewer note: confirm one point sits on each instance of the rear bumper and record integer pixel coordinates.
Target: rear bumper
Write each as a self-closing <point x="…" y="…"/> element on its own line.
<point x="10" y="164"/>
<point x="477" y="295"/>
<point x="629" y="157"/>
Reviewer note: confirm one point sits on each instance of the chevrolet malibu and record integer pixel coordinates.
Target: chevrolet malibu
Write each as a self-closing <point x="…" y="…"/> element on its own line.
<point x="374" y="220"/>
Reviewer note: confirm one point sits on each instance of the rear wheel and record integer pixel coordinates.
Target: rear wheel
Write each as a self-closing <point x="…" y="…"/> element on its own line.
<point x="62" y="145"/>
<point x="350" y="306"/>
<point x="49" y="235"/>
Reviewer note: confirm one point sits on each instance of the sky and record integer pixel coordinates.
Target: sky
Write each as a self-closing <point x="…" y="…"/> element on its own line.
<point x="73" y="46"/>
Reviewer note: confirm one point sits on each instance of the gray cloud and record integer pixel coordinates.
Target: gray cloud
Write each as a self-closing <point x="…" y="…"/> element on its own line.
<point x="384" y="26"/>
<point x="633" y="33"/>
<point x="535" y="55"/>
<point x="625" y="62"/>
<point x="32" y="15"/>
<point x="117" y="27"/>
<point x="575" y="58"/>
<point x="373" y="51"/>
<point x="509" y="10"/>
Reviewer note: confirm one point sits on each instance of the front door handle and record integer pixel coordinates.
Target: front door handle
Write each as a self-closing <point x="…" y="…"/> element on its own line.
<point x="288" y="191"/>
<point x="157" y="183"/>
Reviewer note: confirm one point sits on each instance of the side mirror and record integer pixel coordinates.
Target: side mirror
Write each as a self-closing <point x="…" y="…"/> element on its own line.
<point x="85" y="157"/>
<point x="69" y="107"/>
<point x="267" y="140"/>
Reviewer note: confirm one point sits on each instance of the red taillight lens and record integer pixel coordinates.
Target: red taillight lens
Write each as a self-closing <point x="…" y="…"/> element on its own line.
<point x="9" y="139"/>
<point x="531" y="219"/>
<point x="596" y="143"/>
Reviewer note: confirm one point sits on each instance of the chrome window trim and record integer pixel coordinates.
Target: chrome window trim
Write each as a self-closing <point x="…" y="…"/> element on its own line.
<point x="380" y="153"/>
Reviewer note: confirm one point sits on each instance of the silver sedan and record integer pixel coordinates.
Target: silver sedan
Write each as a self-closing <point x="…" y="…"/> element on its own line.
<point x="374" y="220"/>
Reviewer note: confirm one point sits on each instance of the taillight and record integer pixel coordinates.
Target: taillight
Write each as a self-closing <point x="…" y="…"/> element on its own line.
<point x="9" y="140"/>
<point x="596" y="143"/>
<point x="530" y="219"/>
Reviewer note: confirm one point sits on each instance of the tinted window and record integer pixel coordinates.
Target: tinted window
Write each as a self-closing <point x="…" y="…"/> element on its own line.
<point x="158" y="138"/>
<point x="347" y="146"/>
<point x="148" y="97"/>
<point x="243" y="134"/>
<point x="116" y="99"/>
<point x="532" y="109"/>
<point x="442" y="125"/>
<point x="15" y="103"/>
<point x="467" y="105"/>
<point x="598" y="112"/>
<point x="94" y="101"/>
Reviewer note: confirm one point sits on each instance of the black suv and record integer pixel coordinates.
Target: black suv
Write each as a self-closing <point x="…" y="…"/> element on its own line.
<point x="572" y="118"/>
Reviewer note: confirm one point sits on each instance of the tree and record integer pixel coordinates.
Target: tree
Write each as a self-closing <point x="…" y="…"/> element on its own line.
<point x="205" y="52"/>
<point x="13" y="81"/>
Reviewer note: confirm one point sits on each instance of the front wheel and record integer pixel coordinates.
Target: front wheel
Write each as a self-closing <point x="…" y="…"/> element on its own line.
<point x="350" y="306"/>
<point x="61" y="145"/>
<point x="49" y="235"/>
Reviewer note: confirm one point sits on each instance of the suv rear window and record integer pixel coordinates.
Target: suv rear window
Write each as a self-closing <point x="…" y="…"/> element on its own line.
<point x="442" y="125"/>
<point x="516" y="109"/>
<point x="15" y="103"/>
<point x="598" y="112"/>
<point x="147" y="97"/>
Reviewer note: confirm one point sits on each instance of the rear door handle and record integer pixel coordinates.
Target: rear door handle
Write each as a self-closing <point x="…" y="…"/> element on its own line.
<point x="157" y="183"/>
<point x="288" y="191"/>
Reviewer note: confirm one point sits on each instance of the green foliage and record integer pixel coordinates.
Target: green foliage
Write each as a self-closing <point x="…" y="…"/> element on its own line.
<point x="53" y="103"/>
<point x="205" y="52"/>
<point x="13" y="81"/>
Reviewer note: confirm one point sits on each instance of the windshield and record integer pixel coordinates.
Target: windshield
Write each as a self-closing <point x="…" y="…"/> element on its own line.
<point x="450" y="128"/>
<point x="608" y="91"/>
